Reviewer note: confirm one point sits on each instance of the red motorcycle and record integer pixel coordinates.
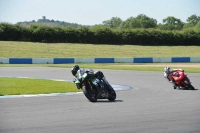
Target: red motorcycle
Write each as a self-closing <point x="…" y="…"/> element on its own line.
<point x="185" y="82"/>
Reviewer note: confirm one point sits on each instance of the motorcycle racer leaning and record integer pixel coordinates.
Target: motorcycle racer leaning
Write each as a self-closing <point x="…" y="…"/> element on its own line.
<point x="178" y="73"/>
<point x="77" y="73"/>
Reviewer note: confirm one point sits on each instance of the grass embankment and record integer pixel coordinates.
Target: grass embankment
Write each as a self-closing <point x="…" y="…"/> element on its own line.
<point x="46" y="50"/>
<point x="58" y="50"/>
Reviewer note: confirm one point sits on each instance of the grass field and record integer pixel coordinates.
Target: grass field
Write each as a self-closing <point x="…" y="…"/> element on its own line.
<point x="52" y="50"/>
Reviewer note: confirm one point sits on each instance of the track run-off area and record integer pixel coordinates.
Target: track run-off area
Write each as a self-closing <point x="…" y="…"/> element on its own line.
<point x="150" y="106"/>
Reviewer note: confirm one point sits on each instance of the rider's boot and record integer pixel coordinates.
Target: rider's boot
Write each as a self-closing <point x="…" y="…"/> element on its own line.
<point x="175" y="87"/>
<point x="174" y="84"/>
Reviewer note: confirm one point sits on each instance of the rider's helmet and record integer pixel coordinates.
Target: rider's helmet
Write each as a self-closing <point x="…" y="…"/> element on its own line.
<point x="167" y="69"/>
<point x="75" y="69"/>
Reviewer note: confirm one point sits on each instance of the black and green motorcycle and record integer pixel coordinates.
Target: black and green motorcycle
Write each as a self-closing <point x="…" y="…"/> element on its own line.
<point x="91" y="87"/>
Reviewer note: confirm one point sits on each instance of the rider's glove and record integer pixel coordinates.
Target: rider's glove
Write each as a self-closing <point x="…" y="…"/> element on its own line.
<point x="78" y="86"/>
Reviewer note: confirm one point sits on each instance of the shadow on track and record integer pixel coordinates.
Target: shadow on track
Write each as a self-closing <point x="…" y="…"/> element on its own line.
<point x="188" y="89"/>
<point x="107" y="101"/>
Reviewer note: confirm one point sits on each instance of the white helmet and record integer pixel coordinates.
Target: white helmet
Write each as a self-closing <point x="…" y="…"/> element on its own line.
<point x="167" y="69"/>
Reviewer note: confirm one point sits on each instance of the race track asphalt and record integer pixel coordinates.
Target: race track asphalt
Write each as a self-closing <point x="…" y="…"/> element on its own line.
<point x="151" y="106"/>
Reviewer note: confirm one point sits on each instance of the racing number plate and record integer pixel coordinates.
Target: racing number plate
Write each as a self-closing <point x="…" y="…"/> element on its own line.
<point x="95" y="81"/>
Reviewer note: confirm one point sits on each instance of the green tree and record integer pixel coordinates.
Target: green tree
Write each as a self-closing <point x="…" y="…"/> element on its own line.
<point x="146" y="22"/>
<point x="198" y="26"/>
<point x="114" y="22"/>
<point x="193" y="19"/>
<point x="130" y="23"/>
<point x="171" y="23"/>
<point x="141" y="21"/>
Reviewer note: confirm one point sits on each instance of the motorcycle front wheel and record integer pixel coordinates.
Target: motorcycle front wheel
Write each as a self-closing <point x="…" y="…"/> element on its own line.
<point x="112" y="94"/>
<point x="90" y="93"/>
<point x="191" y="87"/>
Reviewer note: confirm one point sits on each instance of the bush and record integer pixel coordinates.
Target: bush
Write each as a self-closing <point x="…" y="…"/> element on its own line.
<point x="100" y="35"/>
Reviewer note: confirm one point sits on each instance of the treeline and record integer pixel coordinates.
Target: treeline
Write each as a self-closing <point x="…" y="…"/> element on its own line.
<point x="98" y="35"/>
<point x="143" y="21"/>
<point x="48" y="22"/>
<point x="140" y="21"/>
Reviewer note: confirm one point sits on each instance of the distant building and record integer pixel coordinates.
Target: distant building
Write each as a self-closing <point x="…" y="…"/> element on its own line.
<point x="43" y="17"/>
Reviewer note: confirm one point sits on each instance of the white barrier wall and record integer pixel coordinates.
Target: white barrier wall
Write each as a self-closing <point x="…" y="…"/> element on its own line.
<point x="42" y="61"/>
<point x="194" y="59"/>
<point x="161" y="60"/>
<point x="4" y="60"/>
<point x="84" y="60"/>
<point x="123" y="60"/>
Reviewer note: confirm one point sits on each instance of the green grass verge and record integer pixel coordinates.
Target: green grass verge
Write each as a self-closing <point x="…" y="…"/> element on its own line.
<point x="18" y="86"/>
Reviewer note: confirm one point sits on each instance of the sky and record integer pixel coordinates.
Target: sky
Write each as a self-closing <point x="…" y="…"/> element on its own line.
<point x="91" y="12"/>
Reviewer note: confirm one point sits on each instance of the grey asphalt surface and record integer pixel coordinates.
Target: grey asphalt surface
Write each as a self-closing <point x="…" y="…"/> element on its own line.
<point x="151" y="106"/>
